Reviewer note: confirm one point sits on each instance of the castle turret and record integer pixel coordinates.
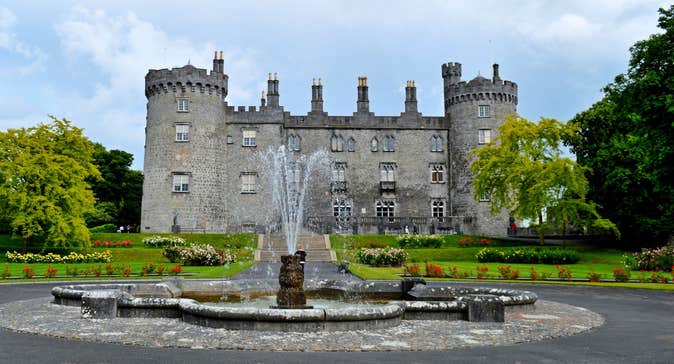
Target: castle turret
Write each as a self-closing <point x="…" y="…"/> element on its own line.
<point x="475" y="110"/>
<point x="185" y="108"/>
<point x="316" y="96"/>
<point x="410" y="97"/>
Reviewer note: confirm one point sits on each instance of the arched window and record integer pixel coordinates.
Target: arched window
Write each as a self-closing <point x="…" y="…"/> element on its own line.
<point x="438" y="209"/>
<point x="437" y="143"/>
<point x="374" y="145"/>
<point x="389" y="143"/>
<point x="336" y="143"/>
<point x="351" y="145"/>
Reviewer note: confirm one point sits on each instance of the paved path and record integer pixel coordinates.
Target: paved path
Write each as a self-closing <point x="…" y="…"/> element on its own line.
<point x="639" y="329"/>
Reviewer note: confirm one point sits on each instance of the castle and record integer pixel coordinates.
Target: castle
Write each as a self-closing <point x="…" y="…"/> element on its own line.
<point x="390" y="174"/>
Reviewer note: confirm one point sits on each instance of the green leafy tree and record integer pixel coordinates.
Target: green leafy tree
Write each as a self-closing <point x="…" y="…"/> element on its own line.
<point x="118" y="192"/>
<point x="627" y="141"/>
<point x="43" y="190"/>
<point x="524" y="172"/>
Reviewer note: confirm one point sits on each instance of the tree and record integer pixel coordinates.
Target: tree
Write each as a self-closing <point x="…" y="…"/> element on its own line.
<point x="43" y="190"/>
<point x="118" y="192"/>
<point x="524" y="172"/>
<point x="627" y="141"/>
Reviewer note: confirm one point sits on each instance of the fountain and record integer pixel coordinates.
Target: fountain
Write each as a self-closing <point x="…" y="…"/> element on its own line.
<point x="291" y="175"/>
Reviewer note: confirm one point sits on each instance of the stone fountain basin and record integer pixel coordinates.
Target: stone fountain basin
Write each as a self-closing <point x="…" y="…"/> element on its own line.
<point x="179" y="298"/>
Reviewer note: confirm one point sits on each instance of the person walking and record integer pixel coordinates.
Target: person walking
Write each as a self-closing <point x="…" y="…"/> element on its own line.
<point x="302" y="254"/>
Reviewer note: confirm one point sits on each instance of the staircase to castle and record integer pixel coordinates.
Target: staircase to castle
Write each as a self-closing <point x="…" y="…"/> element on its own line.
<point x="270" y="248"/>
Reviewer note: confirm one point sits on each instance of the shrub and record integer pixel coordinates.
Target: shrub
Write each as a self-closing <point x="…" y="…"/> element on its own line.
<point x="382" y="256"/>
<point x="370" y="244"/>
<point x="114" y="244"/>
<point x="419" y="241"/>
<point x="412" y="270"/>
<point x="73" y="257"/>
<point x="198" y="254"/>
<point x="433" y="270"/>
<point x="5" y="274"/>
<point x="527" y="255"/>
<point x="158" y="241"/>
<point x="482" y="272"/>
<point x="107" y="228"/>
<point x="28" y="273"/>
<point x="176" y="270"/>
<point x="660" y="259"/>
<point x="469" y="242"/>
<point x="564" y="273"/>
<point x="621" y="275"/>
<point x="74" y="271"/>
<point x="50" y="273"/>
<point x="594" y="276"/>
<point x="507" y="273"/>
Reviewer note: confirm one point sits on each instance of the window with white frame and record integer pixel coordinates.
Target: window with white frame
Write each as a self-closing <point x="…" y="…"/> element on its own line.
<point x="374" y="145"/>
<point x="182" y="132"/>
<point x="183" y="105"/>
<point x="351" y="145"/>
<point x="389" y="143"/>
<point x="181" y="183"/>
<point x="294" y="143"/>
<point x="336" y="143"/>
<point x="485" y="197"/>
<point x="230" y="140"/>
<point x="438" y="209"/>
<point x="341" y="208"/>
<point x="248" y="227"/>
<point x="483" y="111"/>
<point x="387" y="172"/>
<point x="437" y="173"/>
<point x="339" y="172"/>
<point x="249" y="138"/>
<point x="385" y="208"/>
<point x="484" y="136"/>
<point x="437" y="144"/>
<point x="248" y="182"/>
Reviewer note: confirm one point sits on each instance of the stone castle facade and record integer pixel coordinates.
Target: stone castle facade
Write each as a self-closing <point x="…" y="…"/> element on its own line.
<point x="389" y="173"/>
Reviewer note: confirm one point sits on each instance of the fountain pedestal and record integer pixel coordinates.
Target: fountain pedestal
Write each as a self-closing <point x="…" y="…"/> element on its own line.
<point x="291" y="279"/>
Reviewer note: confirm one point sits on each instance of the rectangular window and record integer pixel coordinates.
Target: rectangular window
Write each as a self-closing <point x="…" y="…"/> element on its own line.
<point x="181" y="183"/>
<point x="387" y="172"/>
<point x="437" y="173"/>
<point x="230" y="140"/>
<point x="182" y="132"/>
<point x="385" y="208"/>
<point x="338" y="172"/>
<point x="248" y="228"/>
<point x="249" y="138"/>
<point x="248" y="182"/>
<point x="483" y="111"/>
<point x="484" y="136"/>
<point x="183" y="105"/>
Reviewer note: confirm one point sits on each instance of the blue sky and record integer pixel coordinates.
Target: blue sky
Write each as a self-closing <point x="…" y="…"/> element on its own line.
<point x="86" y="60"/>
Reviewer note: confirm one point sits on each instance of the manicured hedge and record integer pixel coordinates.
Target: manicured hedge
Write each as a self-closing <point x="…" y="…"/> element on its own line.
<point x="527" y="255"/>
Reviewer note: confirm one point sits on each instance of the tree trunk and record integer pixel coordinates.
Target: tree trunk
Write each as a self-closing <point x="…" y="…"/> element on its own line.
<point x="541" y="234"/>
<point x="24" y="247"/>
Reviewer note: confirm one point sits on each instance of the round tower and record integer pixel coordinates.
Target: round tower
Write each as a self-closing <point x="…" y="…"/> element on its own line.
<point x="184" y="141"/>
<point x="475" y="110"/>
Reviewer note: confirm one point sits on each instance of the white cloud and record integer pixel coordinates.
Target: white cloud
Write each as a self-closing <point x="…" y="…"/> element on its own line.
<point x="123" y="48"/>
<point x="13" y="45"/>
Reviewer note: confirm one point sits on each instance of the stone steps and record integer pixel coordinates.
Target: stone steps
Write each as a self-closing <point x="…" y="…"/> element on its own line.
<point x="271" y="248"/>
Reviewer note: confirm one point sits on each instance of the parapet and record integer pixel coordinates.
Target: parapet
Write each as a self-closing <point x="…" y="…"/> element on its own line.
<point x="185" y="79"/>
<point x="481" y="88"/>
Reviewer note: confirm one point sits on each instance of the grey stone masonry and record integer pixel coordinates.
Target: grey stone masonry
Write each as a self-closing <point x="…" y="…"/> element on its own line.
<point x="397" y="174"/>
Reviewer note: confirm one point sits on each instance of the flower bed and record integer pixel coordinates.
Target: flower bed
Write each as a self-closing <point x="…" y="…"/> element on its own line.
<point x="158" y="241"/>
<point x="198" y="254"/>
<point x="112" y="244"/>
<point x="95" y="257"/>
<point x="382" y="256"/>
<point x="660" y="259"/>
<point x="527" y="255"/>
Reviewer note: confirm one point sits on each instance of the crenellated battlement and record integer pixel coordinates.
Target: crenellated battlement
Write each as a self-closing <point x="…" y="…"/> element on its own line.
<point x="481" y="88"/>
<point x="185" y="79"/>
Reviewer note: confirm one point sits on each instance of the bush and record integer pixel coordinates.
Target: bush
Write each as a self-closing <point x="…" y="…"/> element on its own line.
<point x="660" y="259"/>
<point x="621" y="275"/>
<point x="107" y="228"/>
<point x="527" y="255"/>
<point x="198" y="254"/>
<point x="158" y="241"/>
<point x="96" y="257"/>
<point x="382" y="256"/>
<point x="433" y="270"/>
<point x="419" y="241"/>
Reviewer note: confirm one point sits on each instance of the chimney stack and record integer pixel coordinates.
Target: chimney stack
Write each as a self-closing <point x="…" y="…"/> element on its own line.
<point x="496" y="75"/>
<point x="272" y="91"/>
<point x="410" y="97"/>
<point x="316" y="96"/>
<point x="363" y="104"/>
